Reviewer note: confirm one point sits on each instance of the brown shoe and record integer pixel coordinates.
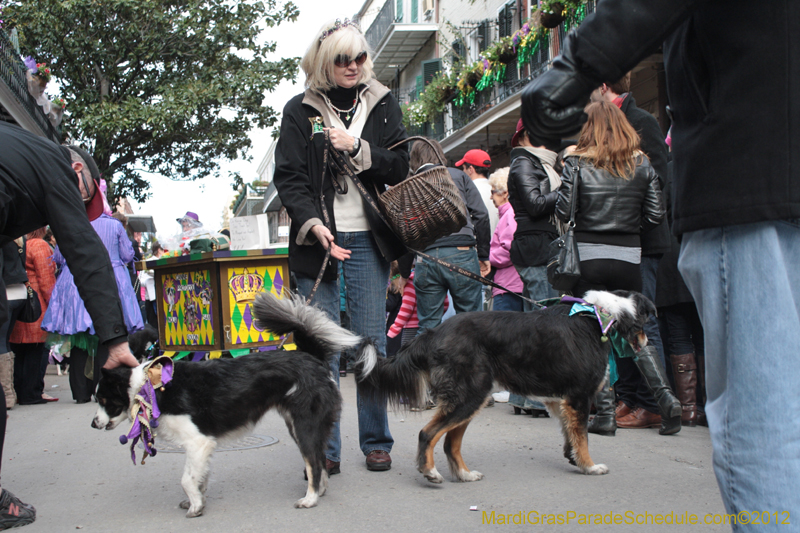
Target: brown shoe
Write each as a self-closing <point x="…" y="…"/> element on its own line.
<point x="639" y="418"/>
<point x="622" y="410"/>
<point x="378" y="460"/>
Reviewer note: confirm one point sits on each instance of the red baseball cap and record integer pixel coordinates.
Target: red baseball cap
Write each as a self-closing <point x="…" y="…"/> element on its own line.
<point x="476" y="158"/>
<point x="515" y="138"/>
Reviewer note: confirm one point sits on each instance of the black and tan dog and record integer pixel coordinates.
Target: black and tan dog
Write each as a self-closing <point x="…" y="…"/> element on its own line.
<point x="548" y="354"/>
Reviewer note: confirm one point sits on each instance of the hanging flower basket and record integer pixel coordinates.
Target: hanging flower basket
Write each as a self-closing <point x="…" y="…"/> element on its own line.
<point x="552" y="15"/>
<point x="507" y="55"/>
<point x="473" y="77"/>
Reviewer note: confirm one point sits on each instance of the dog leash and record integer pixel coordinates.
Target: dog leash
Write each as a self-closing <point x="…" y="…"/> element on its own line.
<point x="345" y="166"/>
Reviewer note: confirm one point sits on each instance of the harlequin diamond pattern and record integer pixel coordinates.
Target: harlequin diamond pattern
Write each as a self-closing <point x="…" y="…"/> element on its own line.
<point x="243" y="329"/>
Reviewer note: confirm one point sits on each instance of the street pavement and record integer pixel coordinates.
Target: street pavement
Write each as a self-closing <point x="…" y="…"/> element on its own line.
<point x="80" y="478"/>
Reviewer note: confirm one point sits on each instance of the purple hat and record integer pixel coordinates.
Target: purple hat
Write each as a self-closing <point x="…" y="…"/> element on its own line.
<point x="189" y="214"/>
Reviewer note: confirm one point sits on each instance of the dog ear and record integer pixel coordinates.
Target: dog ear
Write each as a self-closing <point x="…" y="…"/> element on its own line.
<point x="644" y="307"/>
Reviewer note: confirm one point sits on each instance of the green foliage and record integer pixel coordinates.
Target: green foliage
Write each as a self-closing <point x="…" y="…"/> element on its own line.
<point x="160" y="86"/>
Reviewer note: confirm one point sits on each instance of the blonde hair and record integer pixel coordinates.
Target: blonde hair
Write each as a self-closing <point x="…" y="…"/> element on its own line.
<point x="317" y="63"/>
<point x="499" y="179"/>
<point x="608" y="141"/>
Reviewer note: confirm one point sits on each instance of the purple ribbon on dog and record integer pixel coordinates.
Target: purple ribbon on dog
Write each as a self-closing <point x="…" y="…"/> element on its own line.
<point x="145" y="411"/>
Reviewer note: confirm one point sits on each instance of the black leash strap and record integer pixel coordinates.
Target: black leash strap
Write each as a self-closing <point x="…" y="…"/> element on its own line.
<point x="344" y="164"/>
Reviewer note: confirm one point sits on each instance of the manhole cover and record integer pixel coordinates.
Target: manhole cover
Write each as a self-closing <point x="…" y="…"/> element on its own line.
<point x="245" y="443"/>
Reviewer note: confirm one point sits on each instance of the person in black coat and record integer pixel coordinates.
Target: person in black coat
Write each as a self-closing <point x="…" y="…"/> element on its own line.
<point x="364" y="121"/>
<point x="634" y="399"/>
<point x="736" y="205"/>
<point x="618" y="196"/>
<point x="42" y="183"/>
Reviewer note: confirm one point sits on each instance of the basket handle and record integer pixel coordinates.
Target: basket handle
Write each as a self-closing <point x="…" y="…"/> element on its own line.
<point x="419" y="138"/>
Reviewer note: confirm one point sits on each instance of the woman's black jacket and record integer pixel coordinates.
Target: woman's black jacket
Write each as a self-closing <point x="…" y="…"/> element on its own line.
<point x="298" y="173"/>
<point x="608" y="205"/>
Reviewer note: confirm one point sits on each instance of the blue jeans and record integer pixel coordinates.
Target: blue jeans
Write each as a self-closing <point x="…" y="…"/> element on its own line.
<point x="535" y="285"/>
<point x="507" y="302"/>
<point x="366" y="276"/>
<point x="745" y="281"/>
<point x="432" y="281"/>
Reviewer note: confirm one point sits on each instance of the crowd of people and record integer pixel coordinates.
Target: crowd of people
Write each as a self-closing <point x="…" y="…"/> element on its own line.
<point x="734" y="269"/>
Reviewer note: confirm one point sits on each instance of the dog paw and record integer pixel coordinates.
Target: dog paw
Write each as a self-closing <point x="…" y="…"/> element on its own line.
<point x="596" y="470"/>
<point x="433" y="476"/>
<point x="466" y="475"/>
<point x="306" y="503"/>
<point x="193" y="512"/>
<point x="185" y="504"/>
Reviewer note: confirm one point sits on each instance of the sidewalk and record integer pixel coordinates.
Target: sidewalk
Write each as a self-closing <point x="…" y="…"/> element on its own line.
<point x="80" y="478"/>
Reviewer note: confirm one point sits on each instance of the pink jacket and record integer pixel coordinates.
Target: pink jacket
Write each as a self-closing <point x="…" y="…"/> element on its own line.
<point x="500" y="251"/>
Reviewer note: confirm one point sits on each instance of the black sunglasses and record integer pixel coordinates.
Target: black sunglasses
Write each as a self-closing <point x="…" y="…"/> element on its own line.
<point x="345" y="60"/>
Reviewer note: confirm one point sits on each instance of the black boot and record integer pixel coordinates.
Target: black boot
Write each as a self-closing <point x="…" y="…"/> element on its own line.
<point x="604" y="422"/>
<point x="649" y="364"/>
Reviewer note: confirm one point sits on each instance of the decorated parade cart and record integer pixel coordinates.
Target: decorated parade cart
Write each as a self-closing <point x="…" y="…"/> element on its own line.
<point x="205" y="301"/>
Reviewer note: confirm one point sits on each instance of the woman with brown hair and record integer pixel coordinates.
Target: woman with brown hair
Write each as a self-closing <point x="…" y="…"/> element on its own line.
<point x="618" y="196"/>
<point x="27" y="340"/>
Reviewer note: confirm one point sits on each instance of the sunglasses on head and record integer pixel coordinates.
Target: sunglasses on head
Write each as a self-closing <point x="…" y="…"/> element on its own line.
<point x="344" y="60"/>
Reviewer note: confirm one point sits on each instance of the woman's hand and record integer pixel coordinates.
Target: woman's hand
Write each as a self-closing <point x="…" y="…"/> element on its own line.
<point x="325" y="237"/>
<point x="341" y="140"/>
<point x="120" y="355"/>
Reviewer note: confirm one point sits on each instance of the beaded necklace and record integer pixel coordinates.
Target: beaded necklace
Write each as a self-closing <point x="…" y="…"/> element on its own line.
<point x="346" y="112"/>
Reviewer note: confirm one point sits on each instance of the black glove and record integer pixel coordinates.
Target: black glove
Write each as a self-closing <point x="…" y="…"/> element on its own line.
<point x="552" y="104"/>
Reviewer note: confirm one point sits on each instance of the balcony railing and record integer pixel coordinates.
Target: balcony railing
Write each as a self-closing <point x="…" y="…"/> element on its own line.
<point x="461" y="116"/>
<point x="13" y="75"/>
<point x="380" y="26"/>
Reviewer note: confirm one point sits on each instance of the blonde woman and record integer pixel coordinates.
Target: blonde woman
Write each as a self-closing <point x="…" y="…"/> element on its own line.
<point x="363" y="120"/>
<point x="618" y="197"/>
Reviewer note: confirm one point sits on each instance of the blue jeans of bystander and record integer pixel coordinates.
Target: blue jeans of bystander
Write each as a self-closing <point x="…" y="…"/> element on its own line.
<point x="535" y="284"/>
<point x="432" y="281"/>
<point x="746" y="283"/>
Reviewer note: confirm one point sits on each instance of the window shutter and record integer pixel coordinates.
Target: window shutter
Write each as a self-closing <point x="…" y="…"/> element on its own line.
<point x="429" y="69"/>
<point x="398" y="12"/>
<point x="420" y="85"/>
<point x="483" y="34"/>
<point x="458" y="48"/>
<point x="414" y="11"/>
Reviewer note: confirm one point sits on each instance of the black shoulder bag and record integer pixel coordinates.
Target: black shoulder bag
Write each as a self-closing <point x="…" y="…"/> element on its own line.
<point x="564" y="266"/>
<point x="33" y="308"/>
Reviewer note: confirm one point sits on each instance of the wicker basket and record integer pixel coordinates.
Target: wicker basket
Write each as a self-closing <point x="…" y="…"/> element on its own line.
<point x="424" y="207"/>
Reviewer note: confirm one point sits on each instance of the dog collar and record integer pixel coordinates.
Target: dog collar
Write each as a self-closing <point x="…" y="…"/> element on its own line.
<point x="144" y="410"/>
<point x="604" y="318"/>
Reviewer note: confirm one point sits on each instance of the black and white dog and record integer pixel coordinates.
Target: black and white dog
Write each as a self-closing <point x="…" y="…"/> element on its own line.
<point x="209" y="401"/>
<point x="561" y="359"/>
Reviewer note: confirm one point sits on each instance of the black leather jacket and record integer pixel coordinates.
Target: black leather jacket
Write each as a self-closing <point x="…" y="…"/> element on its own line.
<point x="611" y="205"/>
<point x="529" y="193"/>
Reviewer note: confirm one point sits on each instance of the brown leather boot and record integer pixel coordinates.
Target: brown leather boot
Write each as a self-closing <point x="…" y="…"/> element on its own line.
<point x="639" y="418"/>
<point x="684" y="370"/>
<point x="7" y="378"/>
<point x="622" y="409"/>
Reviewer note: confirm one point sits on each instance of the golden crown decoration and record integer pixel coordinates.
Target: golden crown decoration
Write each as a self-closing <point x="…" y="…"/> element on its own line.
<point x="246" y="286"/>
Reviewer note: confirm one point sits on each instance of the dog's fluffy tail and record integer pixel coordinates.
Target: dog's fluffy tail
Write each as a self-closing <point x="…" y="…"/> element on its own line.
<point x="314" y="332"/>
<point x="402" y="379"/>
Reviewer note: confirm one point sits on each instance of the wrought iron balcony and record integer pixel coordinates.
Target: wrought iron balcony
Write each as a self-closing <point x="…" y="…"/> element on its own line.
<point x="395" y="40"/>
<point x="15" y="100"/>
<point x="493" y="112"/>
